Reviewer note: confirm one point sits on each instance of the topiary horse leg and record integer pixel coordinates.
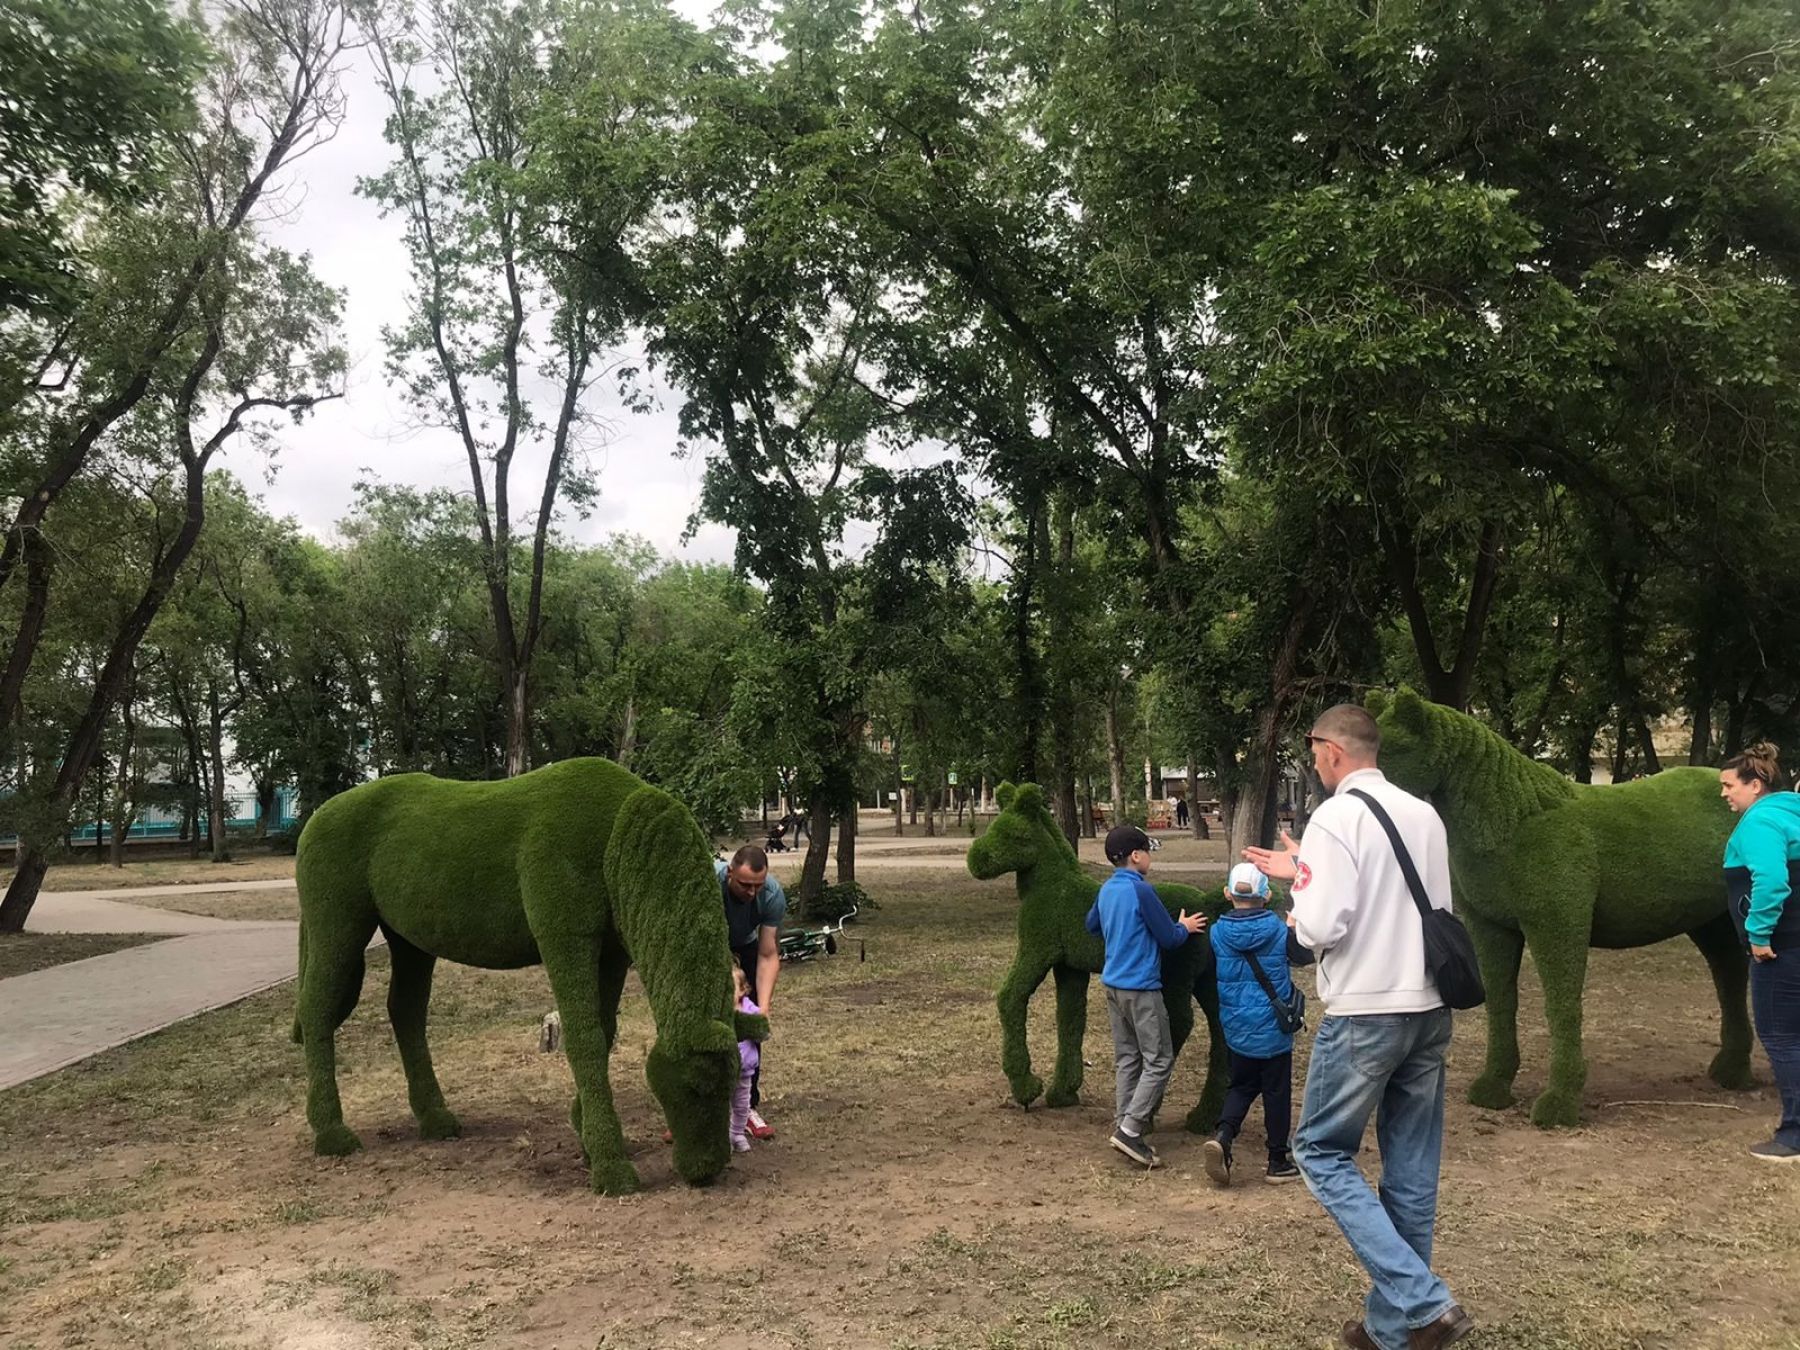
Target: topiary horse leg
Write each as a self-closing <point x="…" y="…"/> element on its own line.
<point x="1205" y="1115"/>
<point x="614" y="966"/>
<point x="329" y="990"/>
<point x="573" y="964"/>
<point x="1499" y="950"/>
<point x="1718" y="943"/>
<point x="409" y="996"/>
<point x="1071" y="1030"/>
<point x="1015" y="1057"/>
<point x="1561" y="955"/>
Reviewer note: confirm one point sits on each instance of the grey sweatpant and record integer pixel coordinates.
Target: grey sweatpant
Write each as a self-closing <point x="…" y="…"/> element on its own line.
<point x="1143" y="1053"/>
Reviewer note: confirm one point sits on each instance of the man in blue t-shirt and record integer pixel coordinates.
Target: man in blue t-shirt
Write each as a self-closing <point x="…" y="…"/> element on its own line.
<point x="755" y="905"/>
<point x="1137" y="931"/>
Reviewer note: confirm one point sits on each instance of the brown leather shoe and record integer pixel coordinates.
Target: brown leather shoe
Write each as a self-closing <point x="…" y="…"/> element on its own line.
<point x="1356" y="1336"/>
<point x="1449" y="1328"/>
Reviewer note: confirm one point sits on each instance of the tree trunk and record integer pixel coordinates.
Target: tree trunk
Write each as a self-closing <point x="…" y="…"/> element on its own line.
<point x="1062" y="693"/>
<point x="846" y="848"/>
<point x="266" y="800"/>
<point x="1115" y="756"/>
<point x="518" y="726"/>
<point x="121" y="812"/>
<point x="1647" y="745"/>
<point x="818" y="848"/>
<point x="899" y="792"/>
<point x="931" y="813"/>
<point x="628" y="733"/>
<point x="221" y="852"/>
<point x="1029" y="687"/>
<point x="1700" y="745"/>
<point x="1452" y="685"/>
<point x="1196" y="817"/>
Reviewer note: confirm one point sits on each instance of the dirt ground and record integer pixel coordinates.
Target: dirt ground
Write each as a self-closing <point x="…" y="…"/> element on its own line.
<point x="100" y="876"/>
<point x="164" y="1195"/>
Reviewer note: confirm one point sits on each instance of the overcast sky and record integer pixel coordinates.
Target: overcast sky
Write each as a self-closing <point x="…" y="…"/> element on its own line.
<point x="644" y="487"/>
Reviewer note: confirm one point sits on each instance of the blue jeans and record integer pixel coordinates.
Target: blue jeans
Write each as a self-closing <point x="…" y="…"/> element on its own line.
<point x="1775" y="1006"/>
<point x="1390" y="1066"/>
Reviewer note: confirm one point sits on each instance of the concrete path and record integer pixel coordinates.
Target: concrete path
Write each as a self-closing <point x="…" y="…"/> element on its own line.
<point x="102" y="912"/>
<point x="57" y="1017"/>
<point x="62" y="1015"/>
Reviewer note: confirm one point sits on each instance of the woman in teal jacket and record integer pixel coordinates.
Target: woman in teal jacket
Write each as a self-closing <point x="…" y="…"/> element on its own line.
<point x="1762" y="873"/>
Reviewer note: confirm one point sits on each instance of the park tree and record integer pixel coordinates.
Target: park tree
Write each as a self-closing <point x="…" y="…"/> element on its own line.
<point x="197" y="330"/>
<point x="498" y="309"/>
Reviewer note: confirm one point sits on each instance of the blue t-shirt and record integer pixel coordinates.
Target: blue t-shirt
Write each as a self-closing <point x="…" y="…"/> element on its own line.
<point x="747" y="918"/>
<point x="1136" y="929"/>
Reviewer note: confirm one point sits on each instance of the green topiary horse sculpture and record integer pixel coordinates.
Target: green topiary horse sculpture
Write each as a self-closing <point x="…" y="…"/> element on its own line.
<point x="579" y="866"/>
<point x="1055" y="895"/>
<point x="1541" y="862"/>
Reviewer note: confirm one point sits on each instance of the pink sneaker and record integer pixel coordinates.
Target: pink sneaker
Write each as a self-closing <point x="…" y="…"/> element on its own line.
<point x="760" y="1128"/>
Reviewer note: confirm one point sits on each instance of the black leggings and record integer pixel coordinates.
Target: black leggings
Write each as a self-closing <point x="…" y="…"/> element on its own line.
<point x="1272" y="1080"/>
<point x="746" y="958"/>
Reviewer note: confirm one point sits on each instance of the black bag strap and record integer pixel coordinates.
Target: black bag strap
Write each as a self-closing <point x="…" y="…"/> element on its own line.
<point x="1411" y="873"/>
<point x="1262" y="978"/>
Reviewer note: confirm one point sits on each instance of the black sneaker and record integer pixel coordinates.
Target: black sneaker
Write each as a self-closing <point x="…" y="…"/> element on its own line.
<point x="1216" y="1152"/>
<point x="1136" y="1147"/>
<point x="1281" y="1171"/>
<point x="1775" y="1151"/>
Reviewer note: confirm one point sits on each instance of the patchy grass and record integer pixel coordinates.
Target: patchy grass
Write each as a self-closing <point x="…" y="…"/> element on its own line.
<point x="164" y="1195"/>
<point x="22" y="952"/>
<point x="269" y="904"/>
<point x="102" y="876"/>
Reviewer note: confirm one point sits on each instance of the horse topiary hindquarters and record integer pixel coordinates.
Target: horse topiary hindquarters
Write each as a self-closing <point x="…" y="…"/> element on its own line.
<point x="1560" y="867"/>
<point x="579" y="866"/>
<point x="1055" y="895"/>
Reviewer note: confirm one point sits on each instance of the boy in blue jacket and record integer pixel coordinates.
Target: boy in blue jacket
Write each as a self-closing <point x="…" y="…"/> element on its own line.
<point x="1137" y="930"/>
<point x="1262" y="1054"/>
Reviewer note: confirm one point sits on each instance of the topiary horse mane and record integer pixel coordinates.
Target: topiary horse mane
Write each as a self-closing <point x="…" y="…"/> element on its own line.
<point x="1559" y="867"/>
<point x="1055" y="894"/>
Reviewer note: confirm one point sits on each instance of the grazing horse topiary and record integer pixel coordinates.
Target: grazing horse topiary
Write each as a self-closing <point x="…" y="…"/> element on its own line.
<point x="1055" y="894"/>
<point x="1556" y="866"/>
<point x="579" y="866"/>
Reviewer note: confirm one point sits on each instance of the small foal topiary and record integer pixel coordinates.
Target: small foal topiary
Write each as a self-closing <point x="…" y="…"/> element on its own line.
<point x="1055" y="895"/>
<point x="579" y="866"/>
<point x="1556" y="866"/>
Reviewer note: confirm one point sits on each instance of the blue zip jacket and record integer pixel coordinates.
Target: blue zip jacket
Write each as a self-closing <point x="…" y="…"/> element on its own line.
<point x="1765" y="845"/>
<point x="1137" y="930"/>
<point x="1239" y="937"/>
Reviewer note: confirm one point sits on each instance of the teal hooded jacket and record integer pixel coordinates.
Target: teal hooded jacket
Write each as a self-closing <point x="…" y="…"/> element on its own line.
<point x="1762" y="858"/>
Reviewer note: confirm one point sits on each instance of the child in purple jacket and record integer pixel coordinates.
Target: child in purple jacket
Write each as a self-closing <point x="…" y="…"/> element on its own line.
<point x="748" y="1056"/>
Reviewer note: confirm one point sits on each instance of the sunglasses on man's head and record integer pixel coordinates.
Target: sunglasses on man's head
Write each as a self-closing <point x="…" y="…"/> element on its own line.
<point x="1313" y="741"/>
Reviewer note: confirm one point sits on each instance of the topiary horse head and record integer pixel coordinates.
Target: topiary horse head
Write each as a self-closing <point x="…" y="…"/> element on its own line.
<point x="1560" y="867"/>
<point x="1055" y="894"/>
<point x="578" y="865"/>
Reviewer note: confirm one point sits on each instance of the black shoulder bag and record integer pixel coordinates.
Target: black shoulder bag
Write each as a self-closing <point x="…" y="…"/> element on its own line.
<point x="1449" y="953"/>
<point x="1290" y="1012"/>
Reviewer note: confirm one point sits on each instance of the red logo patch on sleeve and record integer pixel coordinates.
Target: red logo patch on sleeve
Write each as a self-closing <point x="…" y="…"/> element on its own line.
<point x="1302" y="876"/>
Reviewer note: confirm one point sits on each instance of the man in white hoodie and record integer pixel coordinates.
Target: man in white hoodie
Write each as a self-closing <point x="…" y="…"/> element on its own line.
<point x="1382" y="1043"/>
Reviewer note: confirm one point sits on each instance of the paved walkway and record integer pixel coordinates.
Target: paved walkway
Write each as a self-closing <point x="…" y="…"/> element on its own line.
<point x="59" y="1016"/>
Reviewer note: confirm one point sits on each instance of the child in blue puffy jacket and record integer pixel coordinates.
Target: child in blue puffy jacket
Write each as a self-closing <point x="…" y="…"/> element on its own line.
<point x="1262" y="1054"/>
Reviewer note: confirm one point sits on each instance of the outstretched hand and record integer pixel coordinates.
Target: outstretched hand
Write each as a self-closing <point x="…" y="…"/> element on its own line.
<point x="1277" y="863"/>
<point x="1192" y="922"/>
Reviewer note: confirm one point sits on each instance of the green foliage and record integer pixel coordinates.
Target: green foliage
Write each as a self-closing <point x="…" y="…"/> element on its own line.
<point x="578" y="865"/>
<point x="834" y="902"/>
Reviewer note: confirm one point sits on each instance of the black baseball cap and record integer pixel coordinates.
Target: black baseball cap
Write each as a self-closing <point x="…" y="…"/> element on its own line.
<point x="1124" y="840"/>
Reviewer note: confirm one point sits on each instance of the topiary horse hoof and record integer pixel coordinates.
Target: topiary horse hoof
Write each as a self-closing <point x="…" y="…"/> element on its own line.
<point x="1027" y="1090"/>
<point x="617" y="1177"/>
<point x="439" y="1123"/>
<point x="1494" y="1093"/>
<point x="335" y="1141"/>
<point x="1061" y="1096"/>
<point x="1201" y="1120"/>
<point x="1556" y="1110"/>
<point x="1731" y="1072"/>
